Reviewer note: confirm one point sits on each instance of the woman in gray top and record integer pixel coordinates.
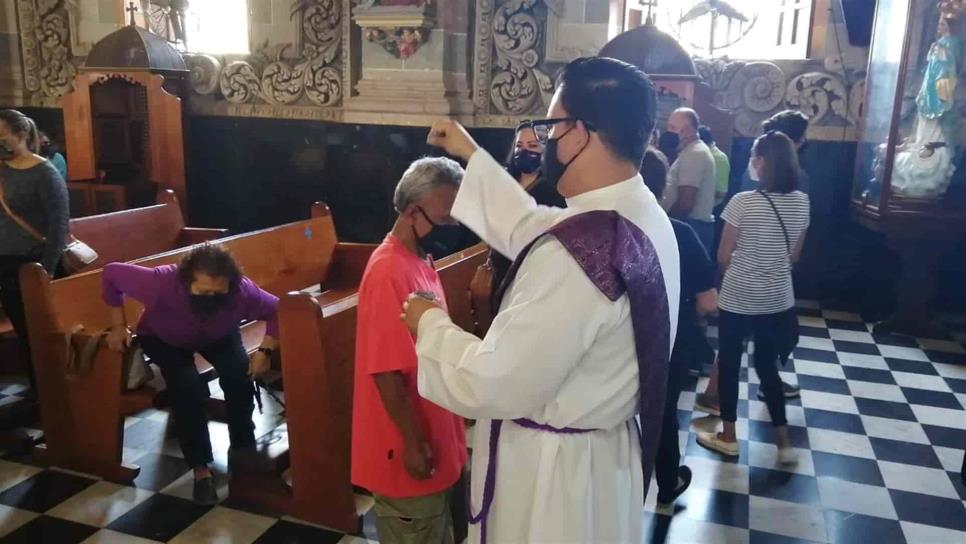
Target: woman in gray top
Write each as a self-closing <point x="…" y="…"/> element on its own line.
<point x="32" y="189"/>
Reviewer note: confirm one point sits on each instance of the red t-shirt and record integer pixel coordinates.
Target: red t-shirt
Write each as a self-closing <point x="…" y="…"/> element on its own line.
<point x="383" y="344"/>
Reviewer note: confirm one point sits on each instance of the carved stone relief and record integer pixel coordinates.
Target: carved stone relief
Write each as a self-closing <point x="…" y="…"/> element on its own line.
<point x="753" y="91"/>
<point x="45" y="45"/>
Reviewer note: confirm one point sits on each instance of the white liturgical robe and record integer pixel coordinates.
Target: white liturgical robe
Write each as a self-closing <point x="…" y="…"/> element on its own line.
<point x="559" y="353"/>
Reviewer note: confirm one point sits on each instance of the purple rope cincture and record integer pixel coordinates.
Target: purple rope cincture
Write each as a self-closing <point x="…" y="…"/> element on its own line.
<point x="489" y="482"/>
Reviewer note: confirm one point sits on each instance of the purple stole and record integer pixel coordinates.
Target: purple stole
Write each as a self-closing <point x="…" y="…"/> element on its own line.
<point x="618" y="258"/>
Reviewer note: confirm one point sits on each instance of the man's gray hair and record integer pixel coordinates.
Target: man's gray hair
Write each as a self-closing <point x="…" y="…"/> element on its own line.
<point x="423" y="177"/>
<point x="691" y="115"/>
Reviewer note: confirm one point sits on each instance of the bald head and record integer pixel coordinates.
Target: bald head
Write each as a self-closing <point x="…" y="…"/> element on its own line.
<point x="684" y="122"/>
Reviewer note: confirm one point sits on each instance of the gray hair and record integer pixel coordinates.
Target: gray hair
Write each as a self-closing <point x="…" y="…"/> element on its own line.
<point x="691" y="115"/>
<point x="424" y="176"/>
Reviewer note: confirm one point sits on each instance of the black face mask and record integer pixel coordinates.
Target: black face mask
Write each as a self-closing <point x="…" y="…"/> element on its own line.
<point x="5" y="153"/>
<point x="440" y="240"/>
<point x="205" y="306"/>
<point x="524" y="161"/>
<point x="551" y="167"/>
<point x="668" y="141"/>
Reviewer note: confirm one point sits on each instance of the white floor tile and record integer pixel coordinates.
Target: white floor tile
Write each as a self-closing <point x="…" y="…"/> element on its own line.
<point x="851" y="336"/>
<point x="840" y="443"/>
<point x="862" y="360"/>
<point x="100" y="504"/>
<point x="106" y="536"/>
<point x="765" y="455"/>
<point x="825" y="370"/>
<point x="950" y="371"/>
<point x="921" y="381"/>
<point x="711" y="474"/>
<point x="878" y="391"/>
<point x="943" y="417"/>
<point x="686" y="400"/>
<point x="183" y="486"/>
<point x="894" y="429"/>
<point x="225" y="526"/>
<point x="898" y="352"/>
<point x="12" y="519"/>
<point x="808" y="321"/>
<point x="816" y="343"/>
<point x="829" y="401"/>
<point x="927" y="534"/>
<point x="864" y="499"/>
<point x="684" y="529"/>
<point x="787" y="518"/>
<point x="950" y="459"/>
<point x="12" y="473"/>
<point x="927" y="481"/>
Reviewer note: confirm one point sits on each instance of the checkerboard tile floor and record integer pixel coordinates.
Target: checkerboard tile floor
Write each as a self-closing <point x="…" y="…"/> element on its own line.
<point x="880" y="430"/>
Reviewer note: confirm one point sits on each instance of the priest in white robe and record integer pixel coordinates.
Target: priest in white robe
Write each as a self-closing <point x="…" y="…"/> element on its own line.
<point x="558" y="371"/>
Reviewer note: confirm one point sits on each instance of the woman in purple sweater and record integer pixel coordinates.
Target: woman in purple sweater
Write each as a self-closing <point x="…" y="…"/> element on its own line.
<point x="197" y="307"/>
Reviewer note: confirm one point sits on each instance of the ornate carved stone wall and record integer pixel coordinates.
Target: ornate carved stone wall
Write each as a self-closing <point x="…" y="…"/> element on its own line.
<point x="48" y="65"/>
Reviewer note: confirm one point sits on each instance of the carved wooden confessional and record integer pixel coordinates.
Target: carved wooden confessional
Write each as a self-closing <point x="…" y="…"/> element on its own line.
<point x="123" y="124"/>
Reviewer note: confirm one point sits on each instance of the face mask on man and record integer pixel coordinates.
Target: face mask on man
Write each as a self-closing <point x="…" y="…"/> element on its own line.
<point x="440" y="239"/>
<point x="207" y="305"/>
<point x="550" y="166"/>
<point x="524" y="161"/>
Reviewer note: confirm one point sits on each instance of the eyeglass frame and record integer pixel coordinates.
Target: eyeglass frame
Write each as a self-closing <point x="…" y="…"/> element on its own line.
<point x="533" y="124"/>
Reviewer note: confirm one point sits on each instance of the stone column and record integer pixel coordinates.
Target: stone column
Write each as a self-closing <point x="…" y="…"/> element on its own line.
<point x="414" y="64"/>
<point x="11" y="70"/>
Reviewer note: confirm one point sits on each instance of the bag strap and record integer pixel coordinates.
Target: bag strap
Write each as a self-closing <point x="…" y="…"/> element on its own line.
<point x="16" y="218"/>
<point x="778" y="216"/>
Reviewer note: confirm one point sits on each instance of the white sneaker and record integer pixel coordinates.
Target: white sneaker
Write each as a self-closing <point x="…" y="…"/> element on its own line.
<point x="712" y="442"/>
<point x="787" y="456"/>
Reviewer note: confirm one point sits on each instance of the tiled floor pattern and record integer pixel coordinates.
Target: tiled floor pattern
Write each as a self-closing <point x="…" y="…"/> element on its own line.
<point x="880" y="428"/>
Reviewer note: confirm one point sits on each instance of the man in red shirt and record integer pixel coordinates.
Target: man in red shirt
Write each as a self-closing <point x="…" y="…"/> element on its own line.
<point x="406" y="450"/>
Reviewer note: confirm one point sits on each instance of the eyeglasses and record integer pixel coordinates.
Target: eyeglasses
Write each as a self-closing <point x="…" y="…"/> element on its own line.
<point x="541" y="127"/>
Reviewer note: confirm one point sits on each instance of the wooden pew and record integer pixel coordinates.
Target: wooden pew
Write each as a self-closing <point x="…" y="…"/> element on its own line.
<point x="318" y="352"/>
<point x="83" y="415"/>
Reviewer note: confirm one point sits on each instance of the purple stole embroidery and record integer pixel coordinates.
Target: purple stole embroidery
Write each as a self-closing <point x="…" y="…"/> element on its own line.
<point x="618" y="258"/>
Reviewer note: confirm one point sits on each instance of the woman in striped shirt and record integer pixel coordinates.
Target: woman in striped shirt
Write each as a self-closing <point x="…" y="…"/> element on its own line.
<point x="763" y="235"/>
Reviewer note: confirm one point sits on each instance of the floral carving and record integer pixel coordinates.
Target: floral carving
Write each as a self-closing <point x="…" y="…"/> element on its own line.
<point x="817" y="93"/>
<point x="275" y="76"/>
<point x="518" y="84"/>
<point x="757" y="86"/>
<point x="45" y="44"/>
<point x="204" y="70"/>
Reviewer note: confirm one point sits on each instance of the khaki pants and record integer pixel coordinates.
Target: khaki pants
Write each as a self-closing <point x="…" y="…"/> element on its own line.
<point x="414" y="520"/>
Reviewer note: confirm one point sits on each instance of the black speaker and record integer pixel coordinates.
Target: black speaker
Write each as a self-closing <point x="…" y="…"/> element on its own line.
<point x="858" y="20"/>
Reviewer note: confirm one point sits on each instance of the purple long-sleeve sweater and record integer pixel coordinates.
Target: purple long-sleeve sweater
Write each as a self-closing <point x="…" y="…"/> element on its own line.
<point x="167" y="311"/>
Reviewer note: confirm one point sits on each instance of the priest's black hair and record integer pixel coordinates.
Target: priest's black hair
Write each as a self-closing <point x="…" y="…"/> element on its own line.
<point x="614" y="99"/>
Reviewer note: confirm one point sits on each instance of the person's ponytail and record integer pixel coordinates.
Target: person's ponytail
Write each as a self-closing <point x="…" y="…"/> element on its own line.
<point x="33" y="136"/>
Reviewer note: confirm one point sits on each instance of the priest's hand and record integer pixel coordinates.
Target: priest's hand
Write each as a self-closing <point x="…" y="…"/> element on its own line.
<point x="418" y="460"/>
<point x="453" y="138"/>
<point x="413" y="310"/>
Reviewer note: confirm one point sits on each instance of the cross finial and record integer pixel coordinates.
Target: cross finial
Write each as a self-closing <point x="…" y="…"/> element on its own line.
<point x="132" y="9"/>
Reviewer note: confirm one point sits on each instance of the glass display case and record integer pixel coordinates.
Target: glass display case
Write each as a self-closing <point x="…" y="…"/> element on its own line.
<point x="908" y="147"/>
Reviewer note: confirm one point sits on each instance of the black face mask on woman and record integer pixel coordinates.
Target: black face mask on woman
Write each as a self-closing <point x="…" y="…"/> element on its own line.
<point x="551" y="167"/>
<point x="524" y="161"/>
<point x="205" y="306"/>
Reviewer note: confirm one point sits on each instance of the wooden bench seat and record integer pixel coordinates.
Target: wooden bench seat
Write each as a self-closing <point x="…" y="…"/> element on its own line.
<point x="281" y="259"/>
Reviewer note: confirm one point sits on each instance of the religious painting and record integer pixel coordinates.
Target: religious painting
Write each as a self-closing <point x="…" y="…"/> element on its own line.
<point x="401" y="43"/>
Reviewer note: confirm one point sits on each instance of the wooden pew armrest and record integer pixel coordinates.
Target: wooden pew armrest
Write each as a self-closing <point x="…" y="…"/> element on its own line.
<point x="348" y="263"/>
<point x="191" y="235"/>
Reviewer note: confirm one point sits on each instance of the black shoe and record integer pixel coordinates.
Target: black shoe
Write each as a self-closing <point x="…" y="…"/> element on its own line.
<point x="204" y="492"/>
<point x="684" y="479"/>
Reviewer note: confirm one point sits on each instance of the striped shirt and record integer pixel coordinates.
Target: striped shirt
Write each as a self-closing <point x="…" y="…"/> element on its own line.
<point x="759" y="278"/>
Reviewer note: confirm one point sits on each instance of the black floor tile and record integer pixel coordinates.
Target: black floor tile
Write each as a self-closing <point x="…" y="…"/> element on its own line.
<point x="913" y="367"/>
<point x="885" y="408"/>
<point x="819" y="355"/>
<point x="809" y="312"/>
<point x="868" y="375"/>
<point x="957" y="479"/>
<point x="159" y="471"/>
<point x="844" y="467"/>
<point x="44" y="490"/>
<point x="835" y="421"/>
<point x="161" y="517"/>
<point x="895" y="340"/>
<point x="146" y="434"/>
<point x="939" y="399"/>
<point x="844" y="527"/>
<point x="856" y="347"/>
<point x="946" y="357"/>
<point x="904" y="452"/>
<point x="764" y="431"/>
<point x="783" y="486"/>
<point x="684" y="420"/>
<point x="928" y="510"/>
<point x="957" y="385"/>
<point x="814" y="332"/>
<point x="824" y="385"/>
<point x="846" y="325"/>
<point x="716" y="506"/>
<point x="945" y="436"/>
<point x="50" y="530"/>
<point x="286" y="532"/>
